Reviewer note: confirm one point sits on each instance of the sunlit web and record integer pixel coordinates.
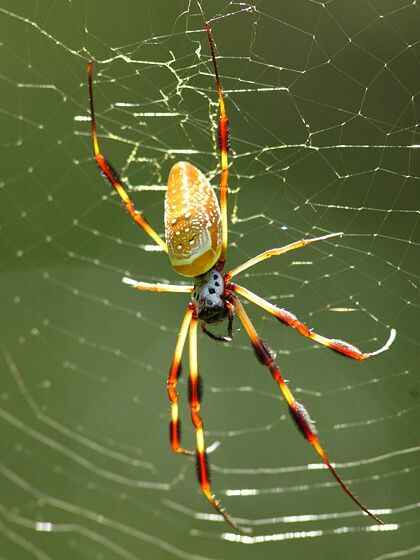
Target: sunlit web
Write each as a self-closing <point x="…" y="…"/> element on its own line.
<point x="323" y="99"/>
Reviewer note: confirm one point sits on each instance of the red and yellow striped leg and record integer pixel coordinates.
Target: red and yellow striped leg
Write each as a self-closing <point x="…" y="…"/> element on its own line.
<point x="291" y="320"/>
<point x="157" y="287"/>
<point x="277" y="251"/>
<point x="223" y="138"/>
<point x="112" y="175"/>
<point x="201" y="455"/>
<point x="297" y="410"/>
<point x="174" y="373"/>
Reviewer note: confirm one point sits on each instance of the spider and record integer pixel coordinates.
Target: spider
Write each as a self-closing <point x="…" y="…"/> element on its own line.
<point x="196" y="234"/>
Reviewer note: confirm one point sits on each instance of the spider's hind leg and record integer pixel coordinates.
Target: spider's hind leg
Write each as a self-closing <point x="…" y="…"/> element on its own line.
<point x="112" y="176"/>
<point x="223" y="140"/>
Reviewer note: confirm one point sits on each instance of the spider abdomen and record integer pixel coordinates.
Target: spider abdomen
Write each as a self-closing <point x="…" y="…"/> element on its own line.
<point x="192" y="221"/>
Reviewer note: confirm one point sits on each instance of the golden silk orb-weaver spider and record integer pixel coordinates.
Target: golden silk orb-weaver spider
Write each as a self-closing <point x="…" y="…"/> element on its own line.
<point x="196" y="235"/>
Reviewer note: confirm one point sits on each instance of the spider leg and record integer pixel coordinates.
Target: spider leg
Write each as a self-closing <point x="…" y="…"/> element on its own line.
<point x="112" y="175"/>
<point x="195" y="404"/>
<point x="277" y="251"/>
<point x="297" y="410"/>
<point x="171" y="383"/>
<point x="231" y="314"/>
<point x="157" y="287"/>
<point x="213" y="336"/>
<point x="291" y="320"/>
<point x="223" y="137"/>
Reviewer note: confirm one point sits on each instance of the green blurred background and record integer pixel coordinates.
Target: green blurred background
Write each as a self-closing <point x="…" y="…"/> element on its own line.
<point x="323" y="102"/>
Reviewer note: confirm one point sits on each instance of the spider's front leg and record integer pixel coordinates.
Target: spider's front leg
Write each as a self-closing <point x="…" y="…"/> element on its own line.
<point x="296" y="409"/>
<point x="195" y="405"/>
<point x="287" y="318"/>
<point x="174" y="373"/>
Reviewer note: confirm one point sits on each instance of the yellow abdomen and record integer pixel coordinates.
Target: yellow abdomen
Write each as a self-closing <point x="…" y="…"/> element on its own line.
<point x="192" y="221"/>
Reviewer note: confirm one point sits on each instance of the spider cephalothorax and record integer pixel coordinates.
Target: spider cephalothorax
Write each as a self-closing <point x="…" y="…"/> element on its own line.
<point x="196" y="241"/>
<point x="208" y="296"/>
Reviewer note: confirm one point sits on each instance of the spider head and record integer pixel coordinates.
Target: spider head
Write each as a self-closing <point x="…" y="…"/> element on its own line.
<point x="208" y="296"/>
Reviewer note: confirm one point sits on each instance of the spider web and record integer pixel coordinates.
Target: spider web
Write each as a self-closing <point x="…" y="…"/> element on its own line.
<point x="323" y="103"/>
